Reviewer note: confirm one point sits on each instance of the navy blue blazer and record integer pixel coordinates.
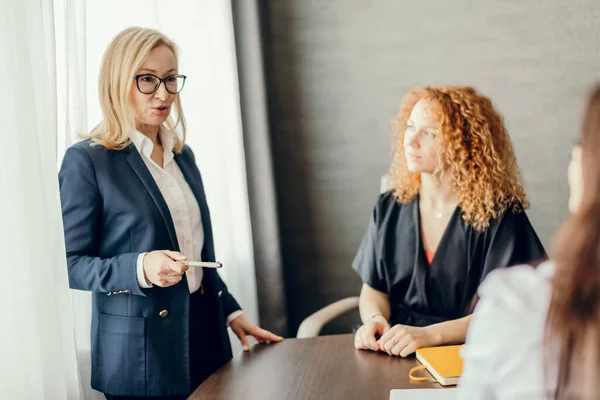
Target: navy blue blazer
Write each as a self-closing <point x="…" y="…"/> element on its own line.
<point x="112" y="211"/>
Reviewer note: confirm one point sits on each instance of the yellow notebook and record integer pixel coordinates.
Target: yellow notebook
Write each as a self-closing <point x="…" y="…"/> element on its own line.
<point x="443" y="362"/>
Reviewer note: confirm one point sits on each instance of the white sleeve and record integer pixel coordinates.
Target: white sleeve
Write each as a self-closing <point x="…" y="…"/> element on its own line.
<point x="480" y="353"/>
<point x="141" y="278"/>
<point x="234" y="315"/>
<point x="502" y="356"/>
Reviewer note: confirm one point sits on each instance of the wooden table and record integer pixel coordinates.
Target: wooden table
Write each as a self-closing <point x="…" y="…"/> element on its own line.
<point x="324" y="367"/>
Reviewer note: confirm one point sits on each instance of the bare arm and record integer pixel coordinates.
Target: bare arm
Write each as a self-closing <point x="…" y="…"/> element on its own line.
<point x="375" y="310"/>
<point x="450" y="332"/>
<point x="402" y="340"/>
<point x="374" y="307"/>
<point x="372" y="303"/>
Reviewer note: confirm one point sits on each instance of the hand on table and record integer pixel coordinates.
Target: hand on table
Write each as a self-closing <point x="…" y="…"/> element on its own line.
<point x="365" y="336"/>
<point x="403" y="340"/>
<point x="242" y="327"/>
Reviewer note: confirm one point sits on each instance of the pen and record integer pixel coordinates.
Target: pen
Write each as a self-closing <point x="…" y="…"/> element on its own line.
<point x="205" y="264"/>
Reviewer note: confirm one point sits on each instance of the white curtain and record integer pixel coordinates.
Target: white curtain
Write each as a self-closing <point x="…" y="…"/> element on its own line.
<point x="70" y="33"/>
<point x="38" y="359"/>
<point x="69" y="19"/>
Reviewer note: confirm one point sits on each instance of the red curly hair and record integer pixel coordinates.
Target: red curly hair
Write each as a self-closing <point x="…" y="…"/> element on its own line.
<point x="474" y="148"/>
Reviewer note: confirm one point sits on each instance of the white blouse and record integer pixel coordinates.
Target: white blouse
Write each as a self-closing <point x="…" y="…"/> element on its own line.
<point x="180" y="200"/>
<point x="182" y="205"/>
<point x="504" y="354"/>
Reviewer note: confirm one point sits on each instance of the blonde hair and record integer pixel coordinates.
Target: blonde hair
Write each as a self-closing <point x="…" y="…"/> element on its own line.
<point x="124" y="56"/>
<point x="475" y="150"/>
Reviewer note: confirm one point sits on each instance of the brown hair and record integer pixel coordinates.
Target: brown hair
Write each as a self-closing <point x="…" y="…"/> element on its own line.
<point x="573" y="322"/>
<point x="474" y="148"/>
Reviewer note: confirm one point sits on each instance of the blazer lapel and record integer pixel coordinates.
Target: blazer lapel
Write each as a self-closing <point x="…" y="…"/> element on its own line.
<point x="192" y="176"/>
<point x="139" y="167"/>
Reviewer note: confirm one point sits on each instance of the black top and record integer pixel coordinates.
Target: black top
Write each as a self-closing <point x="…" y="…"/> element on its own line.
<point x="391" y="259"/>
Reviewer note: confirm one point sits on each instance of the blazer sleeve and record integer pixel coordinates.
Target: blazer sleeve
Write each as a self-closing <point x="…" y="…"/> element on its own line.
<point x="82" y="219"/>
<point x="230" y="304"/>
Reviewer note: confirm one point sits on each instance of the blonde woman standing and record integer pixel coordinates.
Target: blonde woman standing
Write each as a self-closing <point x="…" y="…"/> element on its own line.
<point x="133" y="209"/>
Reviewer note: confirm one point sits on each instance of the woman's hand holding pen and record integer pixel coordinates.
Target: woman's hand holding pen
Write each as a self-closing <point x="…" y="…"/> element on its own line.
<point x="161" y="267"/>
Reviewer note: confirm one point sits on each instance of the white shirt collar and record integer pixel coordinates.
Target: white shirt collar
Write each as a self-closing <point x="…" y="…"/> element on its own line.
<point x="145" y="146"/>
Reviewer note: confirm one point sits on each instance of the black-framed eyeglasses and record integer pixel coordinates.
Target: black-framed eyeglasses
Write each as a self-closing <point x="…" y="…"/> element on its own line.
<point x="149" y="83"/>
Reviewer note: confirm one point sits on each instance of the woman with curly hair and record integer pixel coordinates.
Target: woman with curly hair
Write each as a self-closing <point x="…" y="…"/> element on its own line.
<point x="455" y="214"/>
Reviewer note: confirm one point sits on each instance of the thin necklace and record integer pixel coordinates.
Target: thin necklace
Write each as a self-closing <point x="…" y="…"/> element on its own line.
<point x="439" y="212"/>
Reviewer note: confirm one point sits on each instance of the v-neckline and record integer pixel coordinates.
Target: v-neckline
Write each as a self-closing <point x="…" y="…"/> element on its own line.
<point x="420" y="247"/>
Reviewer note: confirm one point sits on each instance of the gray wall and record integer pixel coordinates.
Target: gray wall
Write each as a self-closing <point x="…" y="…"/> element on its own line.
<point x="337" y="71"/>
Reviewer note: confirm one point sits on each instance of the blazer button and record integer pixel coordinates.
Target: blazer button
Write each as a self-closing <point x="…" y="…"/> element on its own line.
<point x="220" y="293"/>
<point x="163" y="313"/>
